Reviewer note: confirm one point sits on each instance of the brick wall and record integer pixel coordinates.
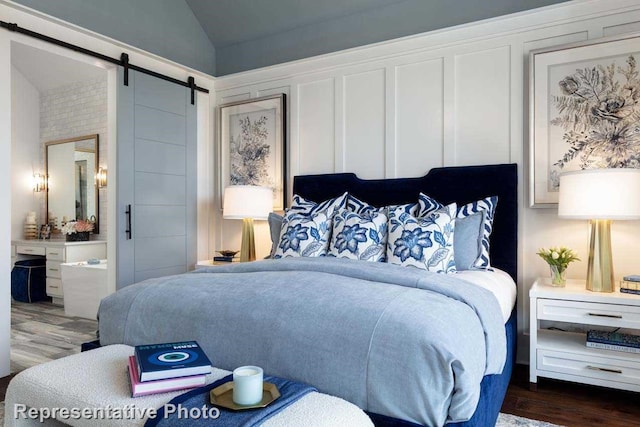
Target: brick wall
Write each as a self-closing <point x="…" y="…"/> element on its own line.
<point x="76" y="110"/>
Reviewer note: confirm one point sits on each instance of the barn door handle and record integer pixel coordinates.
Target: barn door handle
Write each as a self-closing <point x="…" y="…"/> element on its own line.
<point x="128" y="230"/>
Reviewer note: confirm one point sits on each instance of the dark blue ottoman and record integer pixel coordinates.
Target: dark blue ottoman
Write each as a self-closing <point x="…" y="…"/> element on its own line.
<point x="28" y="281"/>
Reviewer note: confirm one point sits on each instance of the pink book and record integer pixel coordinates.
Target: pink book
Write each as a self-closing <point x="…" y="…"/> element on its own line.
<point x="139" y="388"/>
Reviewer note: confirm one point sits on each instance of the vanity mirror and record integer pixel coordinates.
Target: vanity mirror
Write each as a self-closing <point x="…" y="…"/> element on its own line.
<point x="72" y="190"/>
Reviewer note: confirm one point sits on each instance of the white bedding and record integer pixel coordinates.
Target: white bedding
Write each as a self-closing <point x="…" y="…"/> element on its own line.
<point x="498" y="282"/>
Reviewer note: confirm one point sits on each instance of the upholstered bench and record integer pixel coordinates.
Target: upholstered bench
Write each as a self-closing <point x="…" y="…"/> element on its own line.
<point x="99" y="379"/>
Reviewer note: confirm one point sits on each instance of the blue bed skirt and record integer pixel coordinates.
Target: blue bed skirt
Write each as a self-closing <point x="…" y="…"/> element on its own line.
<point x="493" y="389"/>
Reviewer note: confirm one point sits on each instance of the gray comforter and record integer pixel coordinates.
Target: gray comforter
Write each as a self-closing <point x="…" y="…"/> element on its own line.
<point x="393" y="340"/>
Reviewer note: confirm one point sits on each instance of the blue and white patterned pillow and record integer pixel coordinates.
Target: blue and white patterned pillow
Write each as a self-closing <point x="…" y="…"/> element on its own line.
<point x="395" y="211"/>
<point x="304" y="235"/>
<point x="486" y="207"/>
<point x="359" y="236"/>
<point x="426" y="205"/>
<point x="301" y="205"/>
<point x="425" y="243"/>
<point x="358" y="206"/>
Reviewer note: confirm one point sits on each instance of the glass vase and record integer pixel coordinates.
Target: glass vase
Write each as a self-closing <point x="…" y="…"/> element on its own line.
<point x="557" y="275"/>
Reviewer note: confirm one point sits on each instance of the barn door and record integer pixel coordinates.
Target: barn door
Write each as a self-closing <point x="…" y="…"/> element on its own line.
<point x="156" y="178"/>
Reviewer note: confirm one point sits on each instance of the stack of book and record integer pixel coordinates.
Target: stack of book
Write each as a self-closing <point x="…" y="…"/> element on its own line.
<point x="160" y="368"/>
<point x="630" y="284"/>
<point x="614" y="341"/>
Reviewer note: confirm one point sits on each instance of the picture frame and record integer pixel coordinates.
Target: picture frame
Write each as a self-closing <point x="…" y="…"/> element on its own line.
<point x="252" y="135"/>
<point x="582" y="111"/>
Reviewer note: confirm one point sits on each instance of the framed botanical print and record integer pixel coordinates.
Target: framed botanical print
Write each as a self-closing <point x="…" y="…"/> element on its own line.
<point x="253" y="145"/>
<point x="584" y="111"/>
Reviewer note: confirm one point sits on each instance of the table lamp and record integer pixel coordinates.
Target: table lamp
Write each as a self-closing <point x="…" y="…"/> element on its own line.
<point x="247" y="202"/>
<point x="600" y="195"/>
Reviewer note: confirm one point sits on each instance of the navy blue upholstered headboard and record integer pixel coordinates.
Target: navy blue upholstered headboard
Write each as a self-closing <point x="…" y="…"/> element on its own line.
<point x="462" y="185"/>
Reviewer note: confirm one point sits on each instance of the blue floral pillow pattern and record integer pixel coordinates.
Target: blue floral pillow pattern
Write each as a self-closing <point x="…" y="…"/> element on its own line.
<point x="486" y="207"/>
<point x="359" y="236"/>
<point x="304" y="235"/>
<point x="425" y="243"/>
<point x="330" y="207"/>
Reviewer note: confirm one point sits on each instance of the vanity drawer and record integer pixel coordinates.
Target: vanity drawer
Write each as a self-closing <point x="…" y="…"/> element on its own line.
<point x="53" y="269"/>
<point x="30" y="250"/>
<point x="55" y="254"/>
<point x="54" y="287"/>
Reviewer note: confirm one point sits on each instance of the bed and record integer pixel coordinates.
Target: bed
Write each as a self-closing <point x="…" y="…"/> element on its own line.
<point x="364" y="333"/>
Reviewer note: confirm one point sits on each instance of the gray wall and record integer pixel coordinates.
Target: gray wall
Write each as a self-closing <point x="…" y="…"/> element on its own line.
<point x="395" y="20"/>
<point x="167" y="28"/>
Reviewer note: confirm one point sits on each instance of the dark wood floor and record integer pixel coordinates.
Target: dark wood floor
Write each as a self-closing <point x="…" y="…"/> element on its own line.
<point x="570" y="404"/>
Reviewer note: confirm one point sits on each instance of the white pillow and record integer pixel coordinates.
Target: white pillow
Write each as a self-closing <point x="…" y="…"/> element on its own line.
<point x="359" y="236"/>
<point x="304" y="235"/>
<point x="425" y="243"/>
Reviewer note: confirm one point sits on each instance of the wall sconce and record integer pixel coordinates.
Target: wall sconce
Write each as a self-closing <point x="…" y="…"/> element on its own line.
<point x="39" y="183"/>
<point x="101" y="177"/>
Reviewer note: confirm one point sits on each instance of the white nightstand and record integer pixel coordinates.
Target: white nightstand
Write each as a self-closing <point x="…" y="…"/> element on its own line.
<point x="210" y="263"/>
<point x="564" y="355"/>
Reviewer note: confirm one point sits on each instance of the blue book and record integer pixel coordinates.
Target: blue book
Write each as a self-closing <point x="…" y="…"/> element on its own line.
<point x="614" y="341"/>
<point x="171" y="360"/>
<point x="630" y="291"/>
<point x="632" y="278"/>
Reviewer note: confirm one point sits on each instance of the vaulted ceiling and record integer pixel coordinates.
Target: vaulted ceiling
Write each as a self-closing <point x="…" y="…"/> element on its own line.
<point x="255" y="33"/>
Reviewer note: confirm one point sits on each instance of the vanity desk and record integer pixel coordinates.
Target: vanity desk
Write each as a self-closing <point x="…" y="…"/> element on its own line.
<point x="57" y="252"/>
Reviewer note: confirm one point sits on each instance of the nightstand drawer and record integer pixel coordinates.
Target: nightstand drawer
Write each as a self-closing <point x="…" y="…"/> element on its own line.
<point x="589" y="313"/>
<point x="54" y="269"/>
<point x="589" y="366"/>
<point x="54" y="287"/>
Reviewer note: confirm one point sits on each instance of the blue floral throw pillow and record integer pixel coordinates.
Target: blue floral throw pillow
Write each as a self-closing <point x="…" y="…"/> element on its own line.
<point x="425" y="243"/>
<point x="359" y="236"/>
<point x="304" y="235"/>
<point x="301" y="205"/>
<point x="486" y="207"/>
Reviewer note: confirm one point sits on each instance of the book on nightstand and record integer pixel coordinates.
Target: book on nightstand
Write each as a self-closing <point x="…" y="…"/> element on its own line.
<point x="616" y="341"/>
<point x="139" y="388"/>
<point x="171" y="360"/>
<point x="626" y="290"/>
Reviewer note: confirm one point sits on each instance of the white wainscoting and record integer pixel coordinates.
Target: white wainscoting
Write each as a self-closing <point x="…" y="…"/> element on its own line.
<point x="452" y="97"/>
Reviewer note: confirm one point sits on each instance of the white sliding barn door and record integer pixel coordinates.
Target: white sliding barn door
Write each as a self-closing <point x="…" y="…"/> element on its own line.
<point x="156" y="185"/>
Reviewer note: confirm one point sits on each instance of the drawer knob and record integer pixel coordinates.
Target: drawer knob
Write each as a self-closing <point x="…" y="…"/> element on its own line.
<point x="596" y="368"/>
<point x="612" y="316"/>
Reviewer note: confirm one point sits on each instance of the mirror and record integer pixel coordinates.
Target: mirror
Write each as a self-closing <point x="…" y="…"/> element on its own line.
<point x="72" y="190"/>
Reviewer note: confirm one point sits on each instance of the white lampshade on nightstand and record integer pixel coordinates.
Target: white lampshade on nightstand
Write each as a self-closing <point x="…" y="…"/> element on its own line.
<point x="600" y="195"/>
<point x="247" y="202"/>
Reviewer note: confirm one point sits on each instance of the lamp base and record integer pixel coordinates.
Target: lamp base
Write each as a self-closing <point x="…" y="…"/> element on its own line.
<point x="600" y="267"/>
<point x="248" y="248"/>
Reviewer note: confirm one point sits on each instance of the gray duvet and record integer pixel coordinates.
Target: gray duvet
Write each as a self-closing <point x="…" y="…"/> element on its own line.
<point x="396" y="341"/>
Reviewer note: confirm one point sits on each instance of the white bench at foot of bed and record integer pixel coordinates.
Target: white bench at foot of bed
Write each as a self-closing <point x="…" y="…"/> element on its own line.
<point x="99" y="379"/>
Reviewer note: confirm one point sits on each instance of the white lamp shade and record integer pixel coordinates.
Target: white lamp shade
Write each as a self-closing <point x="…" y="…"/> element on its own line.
<point x="247" y="201"/>
<point x="600" y="194"/>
